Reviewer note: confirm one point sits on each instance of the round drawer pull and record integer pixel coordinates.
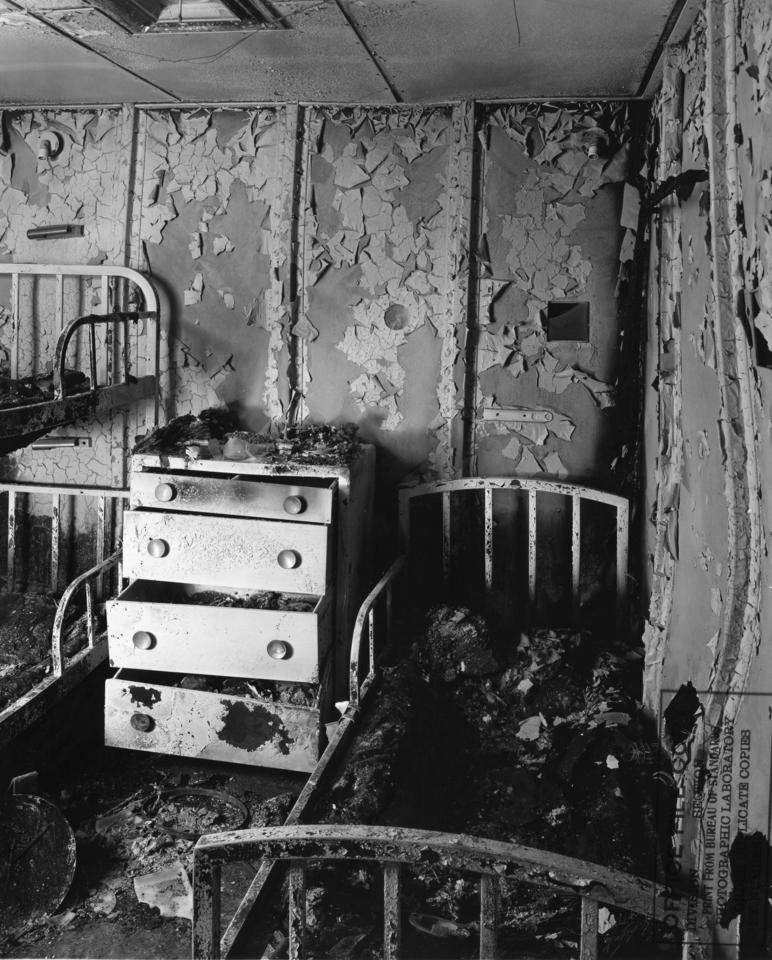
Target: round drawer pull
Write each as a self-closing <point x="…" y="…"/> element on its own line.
<point x="279" y="650"/>
<point x="289" y="559"/>
<point x="295" y="505"/>
<point x="165" y="492"/>
<point x="158" y="548"/>
<point x="143" y="640"/>
<point x="142" y="722"/>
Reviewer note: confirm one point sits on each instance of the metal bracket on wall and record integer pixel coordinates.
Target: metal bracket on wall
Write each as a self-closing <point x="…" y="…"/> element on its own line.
<point x="517" y="415"/>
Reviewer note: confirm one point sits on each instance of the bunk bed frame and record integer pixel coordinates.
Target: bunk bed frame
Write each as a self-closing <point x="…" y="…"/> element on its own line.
<point x="111" y="382"/>
<point x="299" y="843"/>
<point x="88" y="589"/>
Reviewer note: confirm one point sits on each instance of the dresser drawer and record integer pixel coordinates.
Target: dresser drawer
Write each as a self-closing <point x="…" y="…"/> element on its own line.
<point x="180" y="628"/>
<point x="142" y="713"/>
<point x="225" y="552"/>
<point x="236" y="496"/>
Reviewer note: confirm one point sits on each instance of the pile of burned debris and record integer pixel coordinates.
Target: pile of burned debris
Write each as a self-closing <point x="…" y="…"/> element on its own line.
<point x="26" y="624"/>
<point x="217" y="432"/>
<point x="548" y="749"/>
<point x="135" y="853"/>
<point x="39" y="387"/>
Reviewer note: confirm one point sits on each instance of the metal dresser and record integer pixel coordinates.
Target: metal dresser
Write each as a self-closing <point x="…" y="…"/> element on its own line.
<point x="204" y="673"/>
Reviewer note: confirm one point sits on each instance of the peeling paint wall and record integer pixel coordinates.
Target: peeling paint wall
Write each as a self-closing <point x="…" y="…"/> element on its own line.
<point x="314" y="262"/>
<point x="378" y="329"/>
<point x="709" y="425"/>
<point x="553" y="228"/>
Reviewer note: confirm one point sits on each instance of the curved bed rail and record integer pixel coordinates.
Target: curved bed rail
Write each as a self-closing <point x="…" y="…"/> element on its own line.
<point x="493" y="861"/>
<point x="91" y="321"/>
<point x="85" y="580"/>
<point x="575" y="493"/>
<point x="365" y="621"/>
<point x="108" y="274"/>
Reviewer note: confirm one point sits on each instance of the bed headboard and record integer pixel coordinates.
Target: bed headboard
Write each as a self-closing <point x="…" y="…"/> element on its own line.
<point x="570" y="500"/>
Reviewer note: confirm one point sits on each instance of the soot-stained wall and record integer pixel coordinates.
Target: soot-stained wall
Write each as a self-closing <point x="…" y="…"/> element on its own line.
<point x="317" y="260"/>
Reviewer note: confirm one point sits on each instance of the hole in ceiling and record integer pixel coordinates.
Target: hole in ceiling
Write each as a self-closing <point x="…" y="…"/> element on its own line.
<point x="186" y="16"/>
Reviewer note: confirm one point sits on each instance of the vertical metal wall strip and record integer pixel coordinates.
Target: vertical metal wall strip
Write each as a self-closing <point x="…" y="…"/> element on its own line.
<point x="531" y="553"/>
<point x="668" y="465"/>
<point x="478" y="157"/>
<point x="576" y="557"/>
<point x="392" y="917"/>
<point x="296" y="917"/>
<point x="488" y="539"/>
<point x="446" y="540"/>
<point x="490" y="899"/>
<point x="450" y="387"/>
<point x="15" y="324"/>
<point x="588" y="947"/>
<point x="302" y="260"/>
<point x="55" y="527"/>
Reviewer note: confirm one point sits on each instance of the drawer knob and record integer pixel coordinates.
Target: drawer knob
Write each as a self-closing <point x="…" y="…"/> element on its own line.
<point x="289" y="559"/>
<point x="165" y="492"/>
<point x="158" y="548"/>
<point x="143" y="640"/>
<point x="142" y="722"/>
<point x="279" y="650"/>
<point x="294" y="505"/>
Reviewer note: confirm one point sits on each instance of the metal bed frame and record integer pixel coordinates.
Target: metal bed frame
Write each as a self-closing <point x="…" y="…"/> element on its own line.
<point x="296" y="844"/>
<point x="118" y="385"/>
<point x="65" y="673"/>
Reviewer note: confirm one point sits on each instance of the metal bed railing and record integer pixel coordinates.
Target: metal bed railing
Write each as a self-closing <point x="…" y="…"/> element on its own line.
<point x="450" y="490"/>
<point x="366" y="625"/>
<point x="111" y="278"/>
<point x="104" y="497"/>
<point x="66" y="671"/>
<point x="393" y="848"/>
<point x="371" y="638"/>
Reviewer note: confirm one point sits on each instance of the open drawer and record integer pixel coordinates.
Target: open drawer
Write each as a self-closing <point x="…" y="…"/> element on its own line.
<point x="145" y="711"/>
<point x="190" y="628"/>
<point x="239" y="495"/>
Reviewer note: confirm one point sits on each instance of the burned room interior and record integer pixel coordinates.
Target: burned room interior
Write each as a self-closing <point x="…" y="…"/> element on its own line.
<point x="385" y="406"/>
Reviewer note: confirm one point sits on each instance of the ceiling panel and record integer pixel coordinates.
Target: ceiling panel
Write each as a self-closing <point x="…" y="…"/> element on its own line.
<point x="428" y="50"/>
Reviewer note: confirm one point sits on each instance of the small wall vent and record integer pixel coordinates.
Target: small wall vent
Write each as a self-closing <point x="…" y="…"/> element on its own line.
<point x="568" y="320"/>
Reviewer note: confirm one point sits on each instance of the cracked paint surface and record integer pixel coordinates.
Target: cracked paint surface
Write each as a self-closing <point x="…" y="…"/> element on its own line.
<point x="709" y="435"/>
<point x="552" y="230"/>
<point x="213" y="183"/>
<point x="379" y="332"/>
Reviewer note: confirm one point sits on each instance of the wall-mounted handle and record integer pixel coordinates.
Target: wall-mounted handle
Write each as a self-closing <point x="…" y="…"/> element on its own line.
<point x="289" y="559"/>
<point x="158" y="548"/>
<point x="295" y="505"/>
<point x="165" y="492"/>
<point x="279" y="650"/>
<point x="142" y="722"/>
<point x="143" y="640"/>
